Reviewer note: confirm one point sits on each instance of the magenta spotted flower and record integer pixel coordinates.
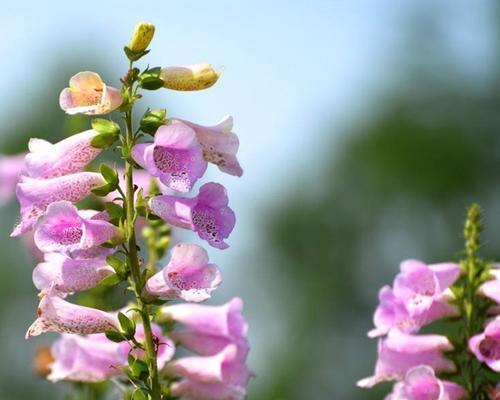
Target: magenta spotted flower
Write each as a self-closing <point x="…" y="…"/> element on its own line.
<point x="188" y="275"/>
<point x="421" y="383"/>
<point x="64" y="228"/>
<point x="88" y="94"/>
<point x="58" y="315"/>
<point x="207" y="329"/>
<point x="35" y="195"/>
<point x="10" y="171"/>
<point x="68" y="275"/>
<point x="399" y="352"/>
<point x="219" y="144"/>
<point x="92" y="358"/>
<point x="486" y="345"/>
<point x="221" y="376"/>
<point x="47" y="160"/>
<point x="208" y="214"/>
<point x="175" y="157"/>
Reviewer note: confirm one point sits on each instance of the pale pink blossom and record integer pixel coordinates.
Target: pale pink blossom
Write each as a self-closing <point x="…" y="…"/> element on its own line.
<point x="68" y="275"/>
<point x="399" y="352"/>
<point x="421" y="383"/>
<point x="218" y="143"/>
<point x="188" y="275"/>
<point x="208" y="214"/>
<point x="63" y="228"/>
<point x="88" y="94"/>
<point x="35" y="195"/>
<point x="47" y="160"/>
<point x="175" y="157"/>
<point x="58" y="315"/>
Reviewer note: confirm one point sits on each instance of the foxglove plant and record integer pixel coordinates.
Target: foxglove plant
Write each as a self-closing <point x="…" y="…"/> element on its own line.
<point x="461" y="362"/>
<point x="81" y="248"/>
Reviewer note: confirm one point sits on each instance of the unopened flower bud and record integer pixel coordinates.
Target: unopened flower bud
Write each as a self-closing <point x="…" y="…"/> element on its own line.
<point x="192" y="77"/>
<point x="43" y="361"/>
<point x="143" y="34"/>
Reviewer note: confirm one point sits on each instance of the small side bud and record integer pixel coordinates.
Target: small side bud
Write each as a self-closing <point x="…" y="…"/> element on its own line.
<point x="192" y="77"/>
<point x="152" y="120"/>
<point x="143" y="34"/>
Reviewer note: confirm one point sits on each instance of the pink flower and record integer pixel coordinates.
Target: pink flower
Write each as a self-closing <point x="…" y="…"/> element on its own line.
<point x="494" y="392"/>
<point x="207" y="330"/>
<point x="486" y="345"/>
<point x="208" y="375"/>
<point x="35" y="195"/>
<point x="175" y="157"/>
<point x="10" y="170"/>
<point x="64" y="228"/>
<point x="166" y="347"/>
<point x="419" y="297"/>
<point x="87" y="94"/>
<point x="188" y="275"/>
<point x="491" y="288"/>
<point x="207" y="214"/>
<point x="218" y="143"/>
<point x="399" y="352"/>
<point x="91" y="358"/>
<point x="47" y="160"/>
<point x="69" y="275"/>
<point x="420" y="383"/>
<point x="57" y="315"/>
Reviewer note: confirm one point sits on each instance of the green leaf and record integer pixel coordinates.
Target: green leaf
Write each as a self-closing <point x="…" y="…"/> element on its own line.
<point x="127" y="325"/>
<point x="114" y="336"/>
<point x="104" y="140"/>
<point x="105" y="126"/>
<point x="110" y="175"/>
<point x="140" y="394"/>
<point x="152" y="120"/>
<point x="114" y="211"/>
<point x="118" y="265"/>
<point x="111" y="280"/>
<point x="103" y="190"/>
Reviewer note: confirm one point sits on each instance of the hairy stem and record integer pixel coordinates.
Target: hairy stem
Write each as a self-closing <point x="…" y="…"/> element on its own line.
<point x="135" y="272"/>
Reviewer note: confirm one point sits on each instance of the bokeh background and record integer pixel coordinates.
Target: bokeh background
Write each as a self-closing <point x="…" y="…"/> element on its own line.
<point x="366" y="128"/>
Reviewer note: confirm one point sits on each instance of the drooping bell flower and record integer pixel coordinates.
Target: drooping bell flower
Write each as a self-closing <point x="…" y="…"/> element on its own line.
<point x="225" y="369"/>
<point x="207" y="214"/>
<point x="63" y="228"/>
<point x="419" y="285"/>
<point x="190" y="77"/>
<point x="166" y="347"/>
<point x="421" y="383"/>
<point x="207" y="329"/>
<point x="218" y="143"/>
<point x="10" y="171"/>
<point x="57" y="315"/>
<point x="47" y="160"/>
<point x="175" y="157"/>
<point x="35" y="195"/>
<point x="188" y="275"/>
<point x="486" y="345"/>
<point x="399" y="352"/>
<point x="491" y="288"/>
<point x="88" y="94"/>
<point x="393" y="314"/>
<point x="92" y="358"/>
<point x="68" y="275"/>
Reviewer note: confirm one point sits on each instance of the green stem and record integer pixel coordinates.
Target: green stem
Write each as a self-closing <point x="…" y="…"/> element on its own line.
<point x="151" y="350"/>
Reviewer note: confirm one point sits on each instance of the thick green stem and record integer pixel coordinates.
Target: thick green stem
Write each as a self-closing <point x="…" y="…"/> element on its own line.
<point x="135" y="272"/>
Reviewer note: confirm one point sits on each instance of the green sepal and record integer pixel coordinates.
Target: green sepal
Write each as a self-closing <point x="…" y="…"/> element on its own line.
<point x="150" y="79"/>
<point x="115" y="212"/>
<point x="152" y="120"/>
<point x="109" y="174"/>
<point x="111" y="280"/>
<point x="140" y="394"/>
<point x="118" y="265"/>
<point x="103" y="190"/>
<point x="132" y="55"/>
<point x="105" y="126"/>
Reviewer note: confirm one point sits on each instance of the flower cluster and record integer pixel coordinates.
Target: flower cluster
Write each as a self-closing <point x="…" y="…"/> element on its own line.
<point x="81" y="249"/>
<point x="455" y="365"/>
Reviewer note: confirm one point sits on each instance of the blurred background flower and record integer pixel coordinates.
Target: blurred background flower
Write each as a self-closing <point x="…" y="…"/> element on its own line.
<point x="366" y="128"/>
